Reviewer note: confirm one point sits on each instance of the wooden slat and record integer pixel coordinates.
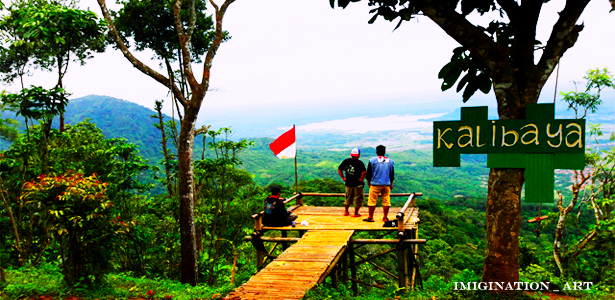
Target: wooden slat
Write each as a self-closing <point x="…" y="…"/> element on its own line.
<point x="298" y="269"/>
<point x="312" y="257"/>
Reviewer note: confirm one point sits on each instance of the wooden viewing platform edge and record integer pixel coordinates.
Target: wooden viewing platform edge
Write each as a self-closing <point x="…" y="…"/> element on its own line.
<point x="316" y="256"/>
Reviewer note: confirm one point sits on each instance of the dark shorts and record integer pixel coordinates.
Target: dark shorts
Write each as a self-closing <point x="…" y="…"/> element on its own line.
<point x="354" y="195"/>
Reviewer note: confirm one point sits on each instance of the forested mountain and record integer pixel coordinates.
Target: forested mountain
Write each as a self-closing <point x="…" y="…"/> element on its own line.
<point x="454" y="225"/>
<point x="116" y="118"/>
<point x="319" y="153"/>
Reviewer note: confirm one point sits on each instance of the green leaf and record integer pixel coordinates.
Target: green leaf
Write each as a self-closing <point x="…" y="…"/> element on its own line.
<point x="464" y="80"/>
<point x="484" y="83"/>
<point x="451" y="78"/>
<point x="343" y="3"/>
<point x="470" y="90"/>
<point x="373" y="19"/>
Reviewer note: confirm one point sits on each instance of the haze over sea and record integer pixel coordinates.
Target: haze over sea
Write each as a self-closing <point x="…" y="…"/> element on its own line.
<point x="401" y="123"/>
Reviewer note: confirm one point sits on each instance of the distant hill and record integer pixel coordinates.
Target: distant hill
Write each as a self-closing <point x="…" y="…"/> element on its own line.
<point x="319" y="152"/>
<point x="116" y="118"/>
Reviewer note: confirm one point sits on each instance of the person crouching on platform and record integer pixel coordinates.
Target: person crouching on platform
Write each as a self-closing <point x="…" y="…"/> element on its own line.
<point x="276" y="214"/>
<point x="380" y="176"/>
<point x="355" y="173"/>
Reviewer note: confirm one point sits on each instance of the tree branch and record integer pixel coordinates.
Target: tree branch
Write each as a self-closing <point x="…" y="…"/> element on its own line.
<point x="511" y="8"/>
<point x="184" y="45"/>
<point x="181" y="99"/>
<point x="192" y="21"/>
<point x="495" y="57"/>
<point x="131" y="58"/>
<point x="211" y="52"/>
<point x="563" y="37"/>
<point x="525" y="36"/>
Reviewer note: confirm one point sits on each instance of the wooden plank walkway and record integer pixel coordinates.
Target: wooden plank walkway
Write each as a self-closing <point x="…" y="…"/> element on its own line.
<point x="298" y="269"/>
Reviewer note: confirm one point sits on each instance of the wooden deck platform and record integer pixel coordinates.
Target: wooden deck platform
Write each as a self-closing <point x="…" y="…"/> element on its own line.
<point x="299" y="268"/>
<point x="326" y="239"/>
<point x="332" y="218"/>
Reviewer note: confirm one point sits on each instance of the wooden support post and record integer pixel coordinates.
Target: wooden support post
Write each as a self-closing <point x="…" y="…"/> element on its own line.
<point x="334" y="277"/>
<point x="284" y="244"/>
<point x="416" y="273"/>
<point x="258" y="223"/>
<point x="402" y="267"/>
<point x="353" y="270"/>
<point x="345" y="268"/>
<point x="259" y="260"/>
<point x="258" y="226"/>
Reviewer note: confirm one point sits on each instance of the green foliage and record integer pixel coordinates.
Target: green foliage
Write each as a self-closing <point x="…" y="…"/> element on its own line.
<point x="8" y="126"/>
<point x="46" y="280"/>
<point x="30" y="281"/>
<point x="225" y="198"/>
<point x="595" y="82"/>
<point x="48" y="35"/>
<point x="38" y="103"/>
<point x="151" y="24"/>
<point x="76" y="209"/>
<point x="476" y="76"/>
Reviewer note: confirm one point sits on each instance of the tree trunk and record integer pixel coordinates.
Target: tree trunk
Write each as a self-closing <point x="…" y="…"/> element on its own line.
<point x="557" y="243"/>
<point x="13" y="223"/>
<point x="189" y="273"/>
<point x="199" y="239"/>
<point x="61" y="86"/>
<point x="62" y="129"/>
<point x="503" y="224"/>
<point x="165" y="152"/>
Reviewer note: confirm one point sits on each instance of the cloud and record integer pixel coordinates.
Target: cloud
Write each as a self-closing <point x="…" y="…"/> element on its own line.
<point x="366" y="124"/>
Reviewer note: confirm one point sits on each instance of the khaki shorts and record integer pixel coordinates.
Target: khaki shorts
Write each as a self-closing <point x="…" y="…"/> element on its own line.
<point x="354" y="195"/>
<point x="375" y="190"/>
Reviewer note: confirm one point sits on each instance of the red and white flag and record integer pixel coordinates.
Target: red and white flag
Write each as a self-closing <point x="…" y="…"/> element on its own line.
<point x="285" y="146"/>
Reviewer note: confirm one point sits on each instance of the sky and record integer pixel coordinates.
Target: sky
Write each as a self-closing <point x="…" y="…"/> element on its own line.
<point x="303" y="54"/>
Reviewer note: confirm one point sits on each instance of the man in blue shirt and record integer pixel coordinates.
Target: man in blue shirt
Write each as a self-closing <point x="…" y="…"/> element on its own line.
<point x="380" y="176"/>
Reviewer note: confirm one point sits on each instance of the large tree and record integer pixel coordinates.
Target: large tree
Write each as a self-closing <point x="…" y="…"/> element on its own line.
<point x="48" y="34"/>
<point x="191" y="103"/>
<point x="507" y="57"/>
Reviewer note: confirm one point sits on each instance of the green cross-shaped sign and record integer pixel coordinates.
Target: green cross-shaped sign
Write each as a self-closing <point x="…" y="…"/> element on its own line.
<point x="539" y="144"/>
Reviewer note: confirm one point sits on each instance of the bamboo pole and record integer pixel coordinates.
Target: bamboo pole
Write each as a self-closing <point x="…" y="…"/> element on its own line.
<point x="345" y="268"/>
<point x="353" y="270"/>
<point x="344" y="195"/>
<point x="259" y="259"/>
<point x="379" y="267"/>
<point x="388" y="241"/>
<point x="356" y="241"/>
<point x="334" y="277"/>
<point x="233" y="270"/>
<point x="402" y="267"/>
<point x="296" y="176"/>
<point x="372" y="257"/>
<point x="331" y="268"/>
<point x="355" y="281"/>
<point x="284" y="243"/>
<point x="273" y="239"/>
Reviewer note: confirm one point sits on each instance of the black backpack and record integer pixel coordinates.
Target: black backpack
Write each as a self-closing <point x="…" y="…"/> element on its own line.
<point x="269" y="208"/>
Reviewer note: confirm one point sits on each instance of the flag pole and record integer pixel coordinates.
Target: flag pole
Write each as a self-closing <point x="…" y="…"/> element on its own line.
<point x="296" y="177"/>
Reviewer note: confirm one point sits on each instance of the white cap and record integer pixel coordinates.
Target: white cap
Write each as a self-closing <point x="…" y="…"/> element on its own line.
<point x="355" y="152"/>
